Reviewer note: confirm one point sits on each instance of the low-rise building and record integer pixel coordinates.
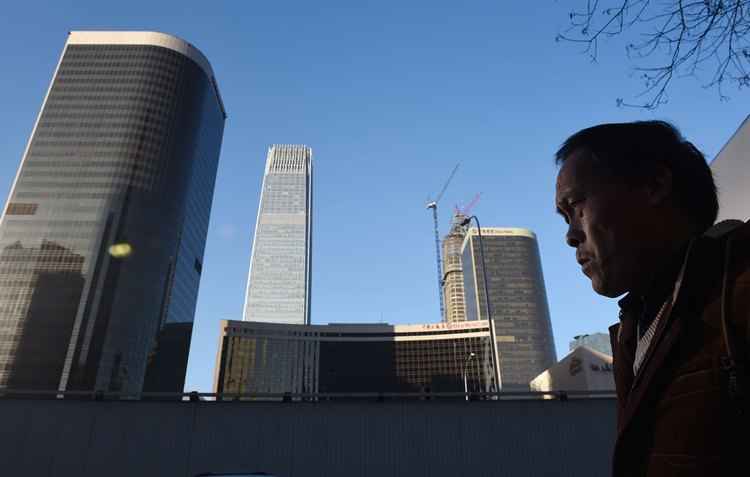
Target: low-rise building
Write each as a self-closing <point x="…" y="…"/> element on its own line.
<point x="273" y="358"/>
<point x="583" y="369"/>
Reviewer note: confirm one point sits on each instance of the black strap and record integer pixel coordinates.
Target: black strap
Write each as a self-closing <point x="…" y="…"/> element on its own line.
<point x="732" y="364"/>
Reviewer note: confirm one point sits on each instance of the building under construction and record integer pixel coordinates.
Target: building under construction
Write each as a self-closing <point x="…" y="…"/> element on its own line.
<point x="453" y="274"/>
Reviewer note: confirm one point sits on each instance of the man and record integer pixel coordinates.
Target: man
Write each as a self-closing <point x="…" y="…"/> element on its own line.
<point x="640" y="204"/>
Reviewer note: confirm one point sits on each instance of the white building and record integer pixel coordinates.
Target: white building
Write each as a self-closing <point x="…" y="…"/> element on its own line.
<point x="731" y="169"/>
<point x="583" y="369"/>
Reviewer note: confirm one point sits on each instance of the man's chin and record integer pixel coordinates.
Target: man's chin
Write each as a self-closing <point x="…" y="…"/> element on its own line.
<point x="605" y="289"/>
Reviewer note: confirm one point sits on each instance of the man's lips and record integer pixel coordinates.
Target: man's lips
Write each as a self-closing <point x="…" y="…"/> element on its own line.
<point x="585" y="264"/>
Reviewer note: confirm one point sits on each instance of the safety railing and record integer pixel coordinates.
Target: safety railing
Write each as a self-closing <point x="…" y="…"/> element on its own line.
<point x="195" y="396"/>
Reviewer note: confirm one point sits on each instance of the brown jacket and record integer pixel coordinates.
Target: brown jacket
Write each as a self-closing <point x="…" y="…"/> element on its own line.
<point x="676" y="417"/>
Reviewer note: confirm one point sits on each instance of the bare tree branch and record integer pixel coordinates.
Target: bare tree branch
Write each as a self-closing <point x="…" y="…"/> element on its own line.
<point x="684" y="37"/>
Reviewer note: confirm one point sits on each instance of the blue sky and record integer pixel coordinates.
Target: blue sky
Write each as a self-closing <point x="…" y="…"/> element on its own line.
<point x="390" y="95"/>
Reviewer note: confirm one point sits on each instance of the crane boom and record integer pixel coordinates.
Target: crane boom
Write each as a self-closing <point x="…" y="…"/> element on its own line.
<point x="467" y="210"/>
<point x="450" y="178"/>
<point x="433" y="205"/>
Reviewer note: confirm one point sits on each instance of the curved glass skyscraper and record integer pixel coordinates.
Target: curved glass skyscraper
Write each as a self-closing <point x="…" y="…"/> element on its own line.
<point x="278" y="285"/>
<point x="517" y="298"/>
<point x="102" y="237"/>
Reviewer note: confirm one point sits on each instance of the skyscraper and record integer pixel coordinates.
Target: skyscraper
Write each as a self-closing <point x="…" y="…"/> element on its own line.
<point x="453" y="274"/>
<point x="278" y="285"/>
<point x="517" y="299"/>
<point x="102" y="236"/>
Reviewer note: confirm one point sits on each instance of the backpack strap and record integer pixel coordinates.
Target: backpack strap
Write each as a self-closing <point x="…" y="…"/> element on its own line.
<point x="730" y="363"/>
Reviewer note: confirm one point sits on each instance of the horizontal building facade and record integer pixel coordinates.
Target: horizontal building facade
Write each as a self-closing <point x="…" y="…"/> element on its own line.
<point x="257" y="357"/>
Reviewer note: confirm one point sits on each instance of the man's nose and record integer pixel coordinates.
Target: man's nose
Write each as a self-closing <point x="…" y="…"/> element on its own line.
<point x="574" y="236"/>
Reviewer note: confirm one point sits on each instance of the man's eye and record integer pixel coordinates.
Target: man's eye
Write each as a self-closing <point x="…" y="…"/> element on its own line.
<point x="575" y="202"/>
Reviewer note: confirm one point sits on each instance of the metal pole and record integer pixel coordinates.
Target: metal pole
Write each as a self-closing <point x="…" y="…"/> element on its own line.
<point x="466" y="387"/>
<point x="484" y="269"/>
<point x="466" y="365"/>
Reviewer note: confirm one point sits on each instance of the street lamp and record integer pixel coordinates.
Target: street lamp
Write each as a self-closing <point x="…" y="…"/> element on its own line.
<point x="493" y="344"/>
<point x="466" y="383"/>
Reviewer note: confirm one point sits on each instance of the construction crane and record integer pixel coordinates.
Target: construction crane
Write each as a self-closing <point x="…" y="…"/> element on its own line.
<point x="466" y="210"/>
<point x="432" y="204"/>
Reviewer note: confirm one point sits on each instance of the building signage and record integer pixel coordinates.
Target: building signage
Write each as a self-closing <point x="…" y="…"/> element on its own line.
<point x="455" y="326"/>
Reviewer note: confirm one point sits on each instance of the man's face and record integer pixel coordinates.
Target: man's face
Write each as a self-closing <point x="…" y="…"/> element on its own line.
<point x="607" y="224"/>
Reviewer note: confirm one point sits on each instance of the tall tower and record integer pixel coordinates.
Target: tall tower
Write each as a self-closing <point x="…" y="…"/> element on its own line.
<point x="453" y="274"/>
<point x="102" y="236"/>
<point x="278" y="285"/>
<point x="518" y="301"/>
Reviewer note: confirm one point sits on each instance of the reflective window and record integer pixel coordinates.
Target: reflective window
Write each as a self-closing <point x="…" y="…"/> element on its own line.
<point x="518" y="301"/>
<point x="106" y="221"/>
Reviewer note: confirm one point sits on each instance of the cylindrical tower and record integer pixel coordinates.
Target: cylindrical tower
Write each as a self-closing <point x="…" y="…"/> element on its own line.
<point x="518" y="300"/>
<point x="108" y="216"/>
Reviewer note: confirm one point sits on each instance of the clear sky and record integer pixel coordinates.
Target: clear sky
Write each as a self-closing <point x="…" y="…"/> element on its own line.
<point x="390" y="95"/>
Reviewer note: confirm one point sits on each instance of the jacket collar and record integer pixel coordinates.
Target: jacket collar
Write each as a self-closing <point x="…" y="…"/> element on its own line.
<point x="640" y="306"/>
<point x="695" y="284"/>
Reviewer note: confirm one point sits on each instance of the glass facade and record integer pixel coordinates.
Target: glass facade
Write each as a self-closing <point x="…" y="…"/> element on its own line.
<point x="517" y="298"/>
<point x="102" y="238"/>
<point x="276" y="358"/>
<point x="433" y="365"/>
<point x="278" y="286"/>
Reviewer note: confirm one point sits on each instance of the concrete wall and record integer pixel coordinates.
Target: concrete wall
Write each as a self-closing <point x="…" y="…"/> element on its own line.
<point x="417" y="438"/>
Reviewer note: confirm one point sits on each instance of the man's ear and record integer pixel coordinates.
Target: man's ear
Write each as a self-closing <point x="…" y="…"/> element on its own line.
<point x="660" y="187"/>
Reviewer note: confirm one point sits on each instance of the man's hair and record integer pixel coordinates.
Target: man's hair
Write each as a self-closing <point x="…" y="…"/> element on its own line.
<point x="631" y="152"/>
